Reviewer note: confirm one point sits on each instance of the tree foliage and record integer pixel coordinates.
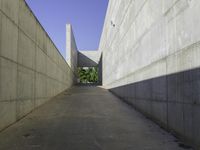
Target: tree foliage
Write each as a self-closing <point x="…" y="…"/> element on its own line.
<point x="88" y="75"/>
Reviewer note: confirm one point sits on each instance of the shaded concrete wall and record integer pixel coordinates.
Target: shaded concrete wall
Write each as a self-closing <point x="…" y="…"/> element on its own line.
<point x="151" y="59"/>
<point x="31" y="68"/>
<point x="91" y="59"/>
<point x="88" y="58"/>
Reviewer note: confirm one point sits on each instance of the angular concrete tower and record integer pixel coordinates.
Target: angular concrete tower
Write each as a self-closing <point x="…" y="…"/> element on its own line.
<point x="71" y="48"/>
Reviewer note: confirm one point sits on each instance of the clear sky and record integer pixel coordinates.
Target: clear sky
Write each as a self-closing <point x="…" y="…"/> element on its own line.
<point x="86" y="17"/>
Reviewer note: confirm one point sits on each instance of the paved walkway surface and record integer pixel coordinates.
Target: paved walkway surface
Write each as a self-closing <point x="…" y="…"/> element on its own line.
<point x="86" y="118"/>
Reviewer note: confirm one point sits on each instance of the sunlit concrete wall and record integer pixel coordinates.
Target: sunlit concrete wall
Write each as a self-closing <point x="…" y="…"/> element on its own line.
<point x="71" y="49"/>
<point x="151" y="51"/>
<point x="31" y="69"/>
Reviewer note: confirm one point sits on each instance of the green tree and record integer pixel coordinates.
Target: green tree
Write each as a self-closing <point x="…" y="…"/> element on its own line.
<point x="89" y="75"/>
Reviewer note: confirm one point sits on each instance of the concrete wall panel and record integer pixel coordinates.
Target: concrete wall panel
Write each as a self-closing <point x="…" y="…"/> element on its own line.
<point x="196" y="122"/>
<point x="41" y="37"/>
<point x="41" y="86"/>
<point x="151" y="60"/>
<point x="8" y="78"/>
<point x="11" y="9"/>
<point x="88" y="58"/>
<point x="176" y="120"/>
<point x="9" y="38"/>
<point x="39" y="102"/>
<point x="25" y="85"/>
<point x="50" y="49"/>
<point x="159" y="111"/>
<point x="24" y="107"/>
<point x="56" y="57"/>
<point x="7" y="117"/>
<point x="27" y="21"/>
<point x="26" y="51"/>
<point x="32" y="70"/>
<point x="41" y="61"/>
<point x="51" y="68"/>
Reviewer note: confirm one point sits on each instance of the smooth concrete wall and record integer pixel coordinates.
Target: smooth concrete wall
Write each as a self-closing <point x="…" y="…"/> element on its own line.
<point x="151" y="51"/>
<point x="71" y="49"/>
<point x="88" y="58"/>
<point x="31" y="69"/>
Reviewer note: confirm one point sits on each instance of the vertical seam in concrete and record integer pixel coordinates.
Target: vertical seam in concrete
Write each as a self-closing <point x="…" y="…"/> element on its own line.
<point x="151" y="95"/>
<point x="37" y="21"/>
<point x="34" y="80"/>
<point x="183" y="114"/>
<point x="193" y="128"/>
<point x="17" y="82"/>
<point x="131" y="23"/>
<point x="0" y="45"/>
<point x="167" y="96"/>
<point x="45" y="73"/>
<point x="1" y="14"/>
<point x="29" y="68"/>
<point x="21" y="30"/>
<point x="121" y="22"/>
<point x="167" y="99"/>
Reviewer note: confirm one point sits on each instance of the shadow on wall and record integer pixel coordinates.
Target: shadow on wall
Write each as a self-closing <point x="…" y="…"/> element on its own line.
<point x="171" y="100"/>
<point x="84" y="61"/>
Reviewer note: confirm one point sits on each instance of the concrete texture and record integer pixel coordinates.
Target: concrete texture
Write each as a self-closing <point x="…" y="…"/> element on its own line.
<point x="169" y="100"/>
<point x="151" y="38"/>
<point x="148" y="56"/>
<point x="88" y="58"/>
<point x="86" y="118"/>
<point x="31" y="68"/>
<point x="71" y="48"/>
<point x="145" y="45"/>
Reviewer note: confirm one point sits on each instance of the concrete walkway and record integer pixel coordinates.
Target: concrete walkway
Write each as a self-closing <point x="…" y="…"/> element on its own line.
<point x="86" y="118"/>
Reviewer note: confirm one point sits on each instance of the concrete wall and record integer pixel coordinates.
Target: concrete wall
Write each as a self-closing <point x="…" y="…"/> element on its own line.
<point x="151" y="51"/>
<point x="71" y="49"/>
<point x="88" y="58"/>
<point x="31" y="68"/>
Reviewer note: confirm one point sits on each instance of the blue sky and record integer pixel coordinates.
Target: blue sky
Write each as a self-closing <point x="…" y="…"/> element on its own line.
<point x="86" y="17"/>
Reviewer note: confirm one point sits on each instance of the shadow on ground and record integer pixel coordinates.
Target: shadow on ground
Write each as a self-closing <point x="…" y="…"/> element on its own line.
<point x="86" y="118"/>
